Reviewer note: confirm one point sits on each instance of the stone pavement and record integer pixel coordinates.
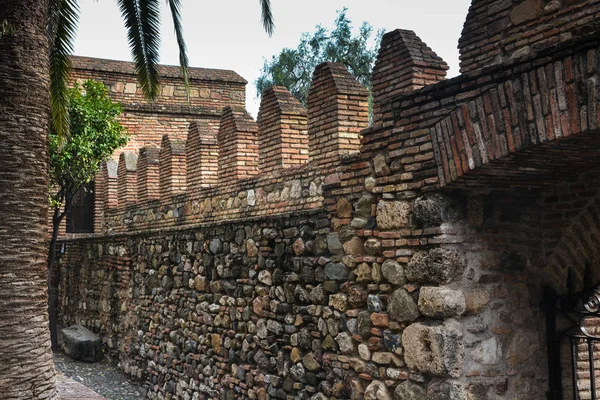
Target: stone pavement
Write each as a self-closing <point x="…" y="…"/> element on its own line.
<point x="102" y="379"/>
<point x="68" y="389"/>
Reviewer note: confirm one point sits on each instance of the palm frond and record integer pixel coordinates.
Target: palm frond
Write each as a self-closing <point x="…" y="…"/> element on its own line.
<point x="61" y="30"/>
<point x="267" y="17"/>
<point x="142" y="21"/>
<point x="175" y="7"/>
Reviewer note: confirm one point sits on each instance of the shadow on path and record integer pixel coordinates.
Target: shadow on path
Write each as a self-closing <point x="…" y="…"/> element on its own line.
<point x="101" y="377"/>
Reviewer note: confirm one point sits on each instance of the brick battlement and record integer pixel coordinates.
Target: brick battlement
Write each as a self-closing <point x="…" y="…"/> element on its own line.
<point x="233" y="166"/>
<point x="244" y="168"/>
<point x="223" y="169"/>
<point x="307" y="255"/>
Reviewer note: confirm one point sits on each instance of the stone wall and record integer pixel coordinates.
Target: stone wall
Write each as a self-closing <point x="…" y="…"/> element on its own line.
<point x="415" y="265"/>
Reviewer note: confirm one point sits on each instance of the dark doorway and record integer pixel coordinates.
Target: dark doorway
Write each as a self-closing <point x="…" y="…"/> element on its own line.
<point x="80" y="217"/>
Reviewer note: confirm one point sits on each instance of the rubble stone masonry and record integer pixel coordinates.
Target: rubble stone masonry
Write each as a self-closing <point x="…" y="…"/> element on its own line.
<point x="310" y="256"/>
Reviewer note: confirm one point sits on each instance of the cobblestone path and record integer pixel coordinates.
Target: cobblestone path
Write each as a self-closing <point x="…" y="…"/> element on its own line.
<point x="102" y="377"/>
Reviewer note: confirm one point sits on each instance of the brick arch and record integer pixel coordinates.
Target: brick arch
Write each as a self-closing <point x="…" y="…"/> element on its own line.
<point x="575" y="208"/>
<point x="523" y="127"/>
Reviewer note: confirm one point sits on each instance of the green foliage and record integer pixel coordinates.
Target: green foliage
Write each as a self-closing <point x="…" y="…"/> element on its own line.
<point x="95" y="135"/>
<point x="293" y="68"/>
<point x="62" y="28"/>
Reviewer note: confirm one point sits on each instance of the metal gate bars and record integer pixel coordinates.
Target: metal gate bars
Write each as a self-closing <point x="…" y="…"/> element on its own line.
<point x="574" y="319"/>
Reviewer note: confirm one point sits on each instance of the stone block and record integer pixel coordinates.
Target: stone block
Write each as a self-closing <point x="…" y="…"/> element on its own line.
<point x="448" y="390"/>
<point x="476" y="301"/>
<point x="345" y="343"/>
<point x="354" y="247"/>
<point x="380" y="167"/>
<point x="130" y="88"/>
<point x="409" y="391"/>
<point x="434" y="349"/>
<point x="363" y="207"/>
<point x="438" y="265"/>
<point x="377" y="390"/>
<point x="81" y="344"/>
<point x="336" y="271"/>
<point x="393" y="272"/>
<point x="344" y="208"/>
<point x="441" y="302"/>
<point x="372" y="246"/>
<point x="393" y="214"/>
<point x="522" y="347"/>
<point x="401" y="306"/>
<point x="435" y="209"/>
<point x="333" y="243"/>
<point x="487" y="352"/>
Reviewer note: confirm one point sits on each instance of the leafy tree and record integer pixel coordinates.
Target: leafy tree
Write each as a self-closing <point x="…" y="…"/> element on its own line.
<point x="293" y="68"/>
<point x="95" y="133"/>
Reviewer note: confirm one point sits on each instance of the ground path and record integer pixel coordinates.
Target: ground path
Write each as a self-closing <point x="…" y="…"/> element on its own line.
<point x="68" y="389"/>
<point x="101" y="381"/>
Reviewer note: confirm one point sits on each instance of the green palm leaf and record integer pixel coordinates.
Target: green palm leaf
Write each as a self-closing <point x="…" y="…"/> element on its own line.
<point x="142" y="21"/>
<point x="175" y="7"/>
<point x="267" y="17"/>
<point x="61" y="30"/>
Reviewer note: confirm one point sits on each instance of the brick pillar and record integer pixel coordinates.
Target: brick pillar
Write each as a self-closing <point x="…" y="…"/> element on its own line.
<point x="148" y="173"/>
<point x="282" y="131"/>
<point x="172" y="167"/>
<point x="238" y="147"/>
<point x="404" y="64"/>
<point x="202" y="153"/>
<point x="338" y="111"/>
<point x="99" y="190"/>
<point x="105" y="198"/>
<point x="127" y="179"/>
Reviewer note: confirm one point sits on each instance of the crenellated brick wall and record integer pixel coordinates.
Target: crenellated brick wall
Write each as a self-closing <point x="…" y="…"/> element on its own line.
<point x="311" y="256"/>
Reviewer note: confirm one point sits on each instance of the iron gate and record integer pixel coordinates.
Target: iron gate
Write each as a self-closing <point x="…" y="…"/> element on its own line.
<point x="573" y="321"/>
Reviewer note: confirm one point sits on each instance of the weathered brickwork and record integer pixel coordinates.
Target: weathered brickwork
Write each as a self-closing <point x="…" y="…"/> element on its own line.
<point x="127" y="186"/>
<point x="148" y="167"/>
<point x="283" y="140"/>
<point x="210" y="91"/>
<point x="238" y="149"/>
<point x="499" y="31"/>
<point x="337" y="113"/>
<point x="202" y="152"/>
<point x="172" y="167"/>
<point x="316" y="257"/>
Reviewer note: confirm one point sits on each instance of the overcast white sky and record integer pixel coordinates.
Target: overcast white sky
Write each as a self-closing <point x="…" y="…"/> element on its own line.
<point x="227" y="34"/>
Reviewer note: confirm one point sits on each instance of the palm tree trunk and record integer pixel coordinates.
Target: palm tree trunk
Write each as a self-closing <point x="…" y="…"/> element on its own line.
<point x="26" y="367"/>
<point x="56" y="220"/>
